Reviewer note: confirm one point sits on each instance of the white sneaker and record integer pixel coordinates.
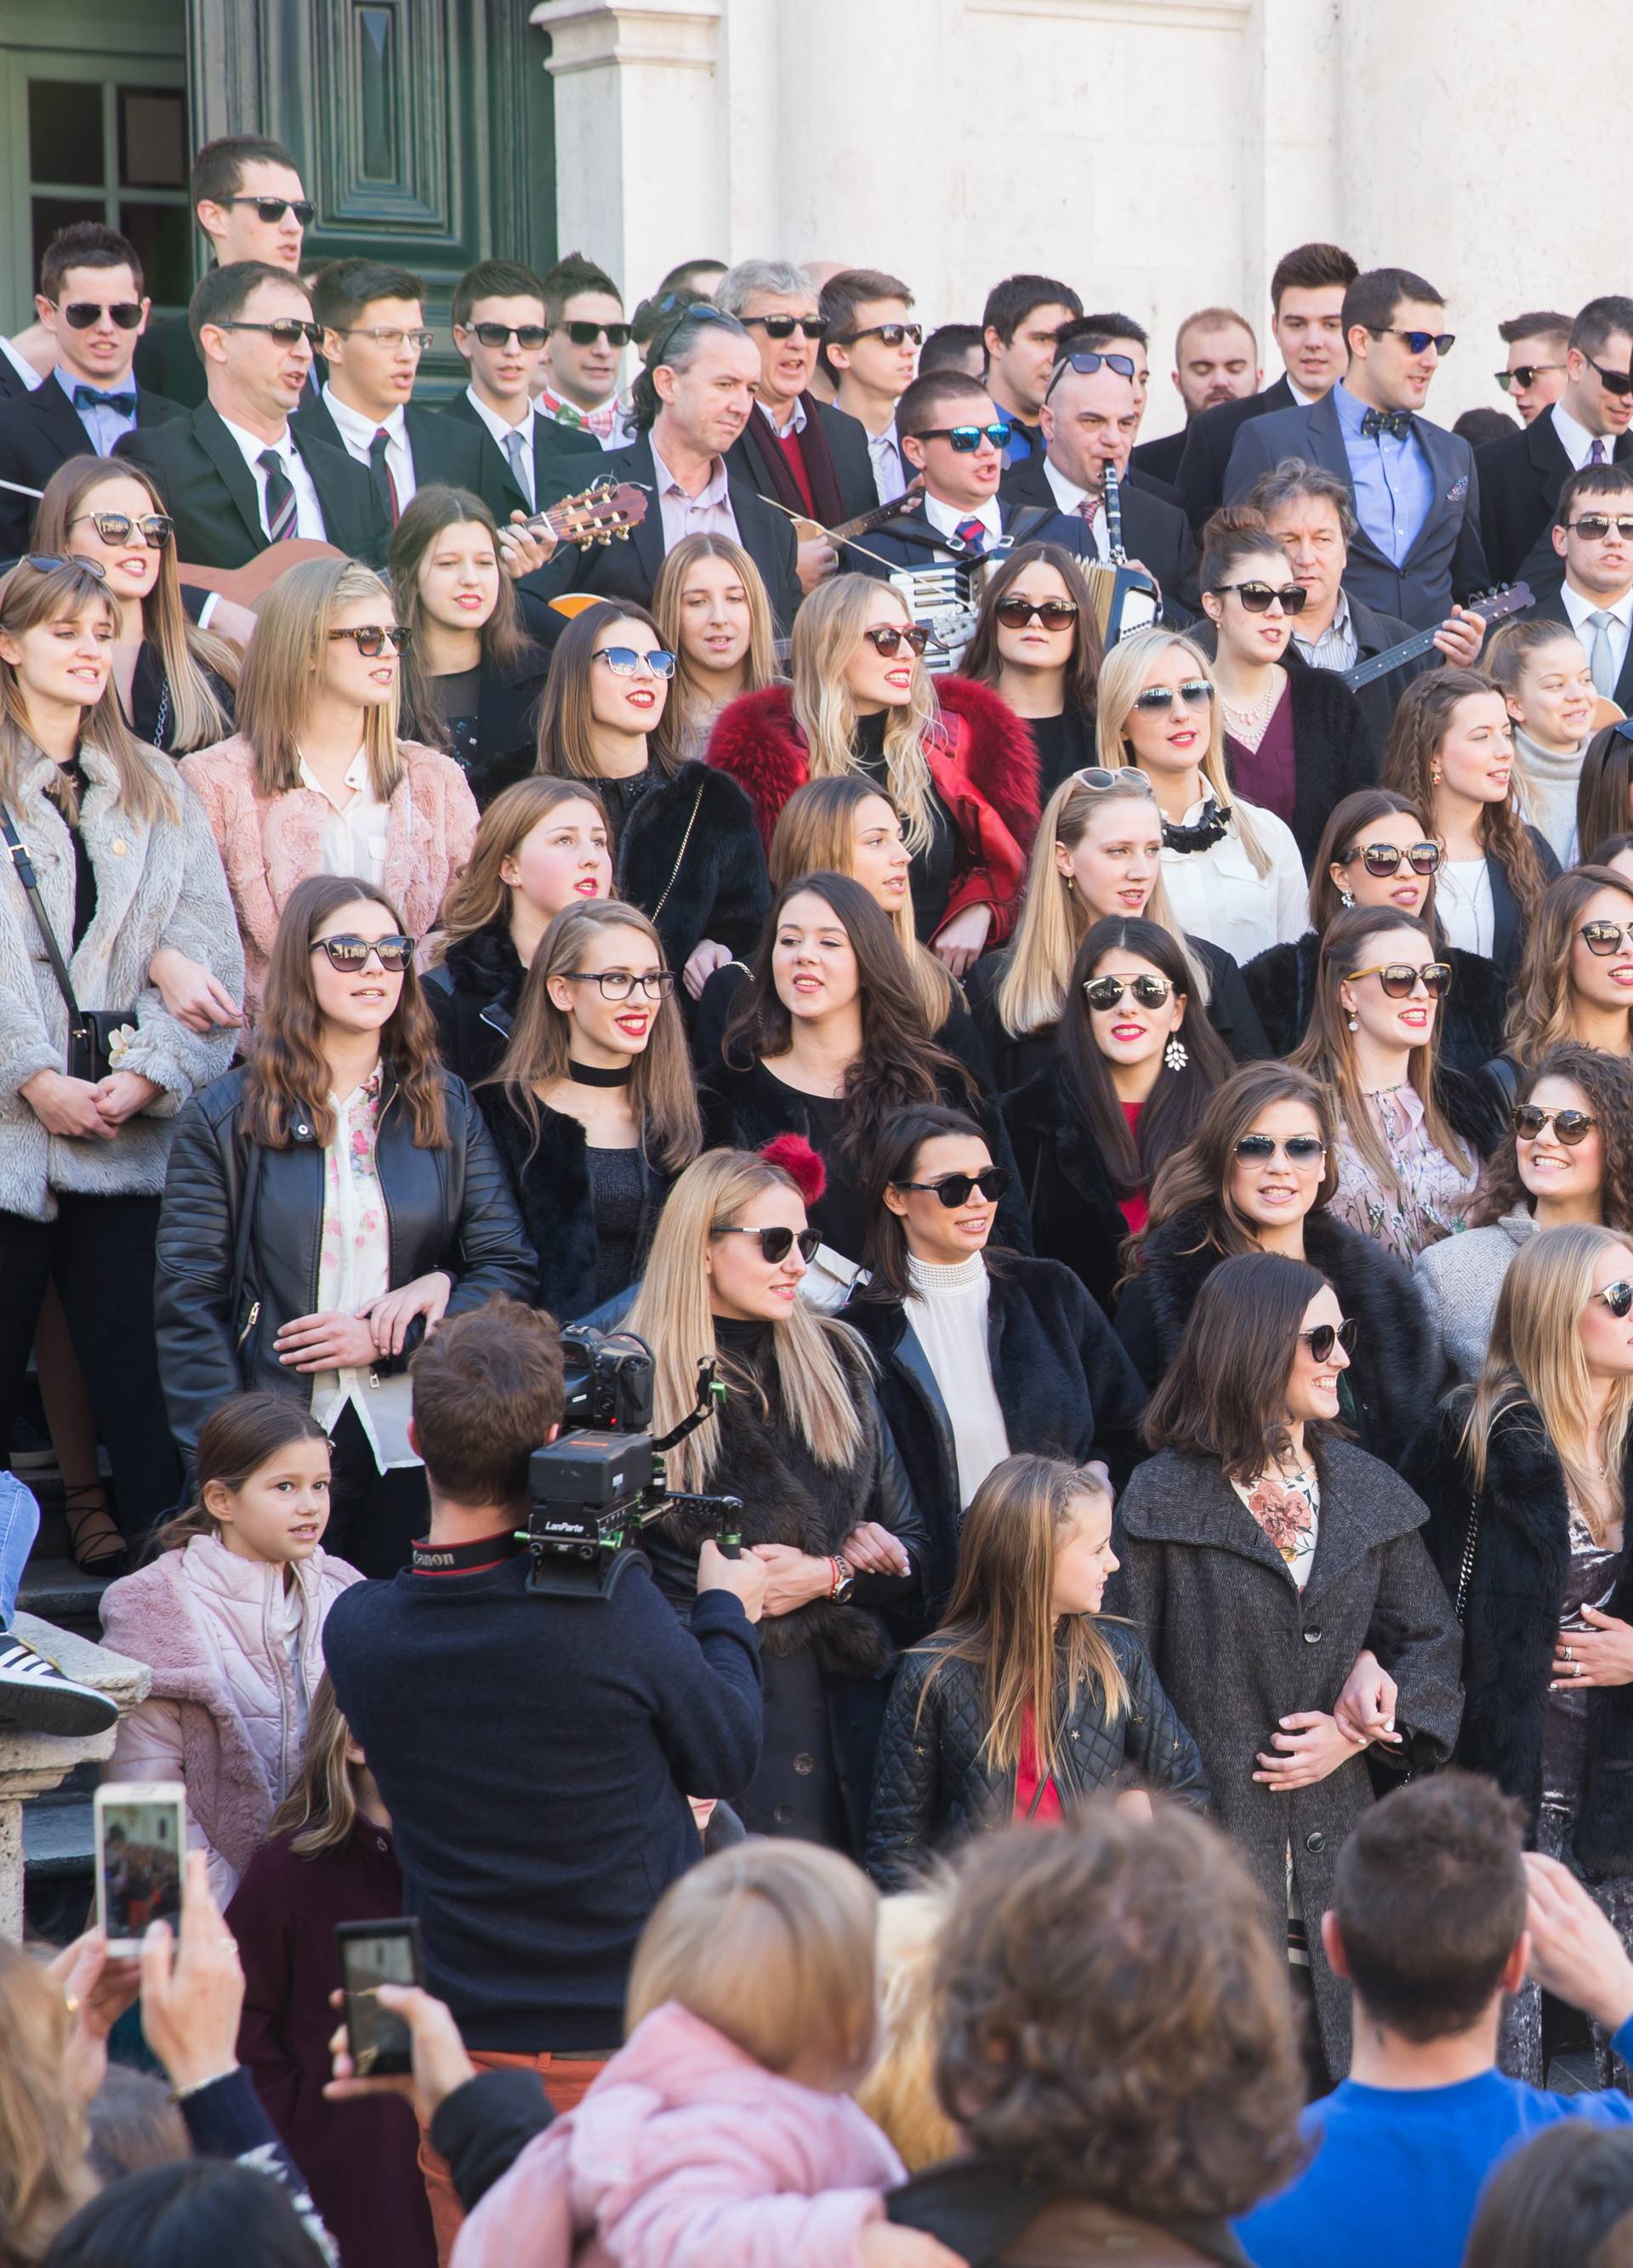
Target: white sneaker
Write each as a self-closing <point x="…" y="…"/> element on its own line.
<point x="36" y="1697"/>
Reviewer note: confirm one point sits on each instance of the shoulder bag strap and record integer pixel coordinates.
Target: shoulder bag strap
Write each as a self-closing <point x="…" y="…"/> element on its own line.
<point x="24" y="865"/>
<point x="681" y="853"/>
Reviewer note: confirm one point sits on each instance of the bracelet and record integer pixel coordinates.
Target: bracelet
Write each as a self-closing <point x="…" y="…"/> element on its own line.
<point x="834" y="1578"/>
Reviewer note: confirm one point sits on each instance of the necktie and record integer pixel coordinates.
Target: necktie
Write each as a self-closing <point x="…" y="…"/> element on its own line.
<point x="1602" y="661"/>
<point x="1398" y="422"/>
<point x="513" y="447"/>
<point x="280" y="505"/>
<point x="1086" y="511"/>
<point x="380" y="473"/>
<point x="973" y="534"/>
<point x="92" y="397"/>
<point x="1596" y="454"/>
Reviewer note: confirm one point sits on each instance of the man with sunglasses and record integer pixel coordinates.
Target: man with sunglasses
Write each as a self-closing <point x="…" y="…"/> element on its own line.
<point x="811" y="458"/>
<point x="1020" y="323"/>
<point x="91" y="301"/>
<point x="1522" y="474"/>
<point x="499" y="329"/>
<point x="1592" y="538"/>
<point x="234" y="477"/>
<point x="871" y="350"/>
<point x="1533" y="377"/>
<point x="1412" y="484"/>
<point x="586" y="336"/>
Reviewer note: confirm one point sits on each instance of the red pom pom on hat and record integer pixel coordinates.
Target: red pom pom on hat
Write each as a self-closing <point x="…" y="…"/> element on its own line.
<point x="800" y="1163"/>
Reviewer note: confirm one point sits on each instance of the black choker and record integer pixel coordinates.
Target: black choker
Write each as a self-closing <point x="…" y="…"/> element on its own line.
<point x="1211" y="828"/>
<point x="587" y="1075"/>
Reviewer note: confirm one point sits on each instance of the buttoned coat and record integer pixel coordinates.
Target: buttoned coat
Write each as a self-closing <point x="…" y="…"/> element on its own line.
<point x="1238" y="1647"/>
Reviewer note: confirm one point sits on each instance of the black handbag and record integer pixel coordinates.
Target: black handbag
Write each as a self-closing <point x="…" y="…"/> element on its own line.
<point x="90" y="1030"/>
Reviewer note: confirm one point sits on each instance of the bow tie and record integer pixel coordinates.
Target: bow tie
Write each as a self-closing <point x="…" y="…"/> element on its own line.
<point x="1398" y="422"/>
<point x="92" y="397"/>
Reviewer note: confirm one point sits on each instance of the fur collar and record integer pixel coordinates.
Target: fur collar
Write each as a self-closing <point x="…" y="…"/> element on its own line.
<point x="486" y="962"/>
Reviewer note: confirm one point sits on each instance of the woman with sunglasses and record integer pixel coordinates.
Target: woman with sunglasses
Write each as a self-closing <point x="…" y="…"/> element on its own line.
<point x="1409" y="1132"/>
<point x="1605" y="791"/>
<point x="684" y="845"/>
<point x="1291" y="1613"/>
<point x="1131" y="1074"/>
<point x="315" y="780"/>
<point x="714" y="613"/>
<point x="951" y="756"/>
<point x="1037" y="644"/>
<point x="1527" y="1474"/>
<point x="980" y="1352"/>
<point x="593" y="1109"/>
<point x="1097" y="856"/>
<point x="1567" y="1157"/>
<point x="1232" y="871"/>
<point x="1296" y="741"/>
<point x="1576" y="980"/>
<point x="799" y="1439"/>
<point x="1375" y="850"/>
<point x="471" y="676"/>
<point x="329" y="1201"/>
<point x="1544" y="677"/>
<point x="1260" y="1175"/>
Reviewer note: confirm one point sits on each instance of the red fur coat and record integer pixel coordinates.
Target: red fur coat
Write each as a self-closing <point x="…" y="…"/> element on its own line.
<point x="984" y="768"/>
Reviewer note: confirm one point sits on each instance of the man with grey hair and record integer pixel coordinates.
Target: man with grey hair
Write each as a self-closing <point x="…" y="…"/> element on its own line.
<point x="800" y="453"/>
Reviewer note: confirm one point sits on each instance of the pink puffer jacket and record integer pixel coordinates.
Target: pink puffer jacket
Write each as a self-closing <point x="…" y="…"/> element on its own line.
<point x="225" y="1713"/>
<point x="685" y="2154"/>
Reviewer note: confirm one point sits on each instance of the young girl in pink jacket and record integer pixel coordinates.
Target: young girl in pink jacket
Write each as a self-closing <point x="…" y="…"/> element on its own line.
<point x="229" y="1616"/>
<point x="723" y="2134"/>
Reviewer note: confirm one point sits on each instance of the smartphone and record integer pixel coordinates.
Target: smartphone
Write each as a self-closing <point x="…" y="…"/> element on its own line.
<point x="373" y="1954"/>
<point x="140" y="1836"/>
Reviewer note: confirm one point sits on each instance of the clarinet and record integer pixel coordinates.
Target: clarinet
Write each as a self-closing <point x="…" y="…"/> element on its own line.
<point x="1111" y="496"/>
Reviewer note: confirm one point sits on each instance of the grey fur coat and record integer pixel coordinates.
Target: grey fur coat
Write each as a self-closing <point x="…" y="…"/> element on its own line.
<point x="157" y="885"/>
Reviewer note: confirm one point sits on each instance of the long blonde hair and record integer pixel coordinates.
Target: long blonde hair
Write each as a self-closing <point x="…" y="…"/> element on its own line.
<point x="44" y="2179"/>
<point x="1535" y="1354"/>
<point x="815" y="834"/>
<point x="1054" y="919"/>
<point x="672" y="1314"/>
<point x="760" y="664"/>
<point x="480" y="896"/>
<point x="1123" y="675"/>
<point x="825" y="632"/>
<point x="286" y="657"/>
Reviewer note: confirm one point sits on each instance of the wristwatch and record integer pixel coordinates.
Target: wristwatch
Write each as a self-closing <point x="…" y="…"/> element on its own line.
<point x="844" y="1577"/>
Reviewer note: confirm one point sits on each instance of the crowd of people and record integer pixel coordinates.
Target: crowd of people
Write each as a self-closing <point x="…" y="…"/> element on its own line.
<point x="866" y="889"/>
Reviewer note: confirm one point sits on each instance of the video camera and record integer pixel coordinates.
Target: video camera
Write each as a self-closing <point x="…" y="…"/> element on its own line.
<point x="602" y="1480"/>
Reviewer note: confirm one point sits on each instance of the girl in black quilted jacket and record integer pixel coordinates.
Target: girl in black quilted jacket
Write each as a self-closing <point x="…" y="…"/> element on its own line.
<point x="1025" y="1703"/>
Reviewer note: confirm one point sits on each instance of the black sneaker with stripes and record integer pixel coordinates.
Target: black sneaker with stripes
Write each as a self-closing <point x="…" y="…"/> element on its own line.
<point x="36" y="1697"/>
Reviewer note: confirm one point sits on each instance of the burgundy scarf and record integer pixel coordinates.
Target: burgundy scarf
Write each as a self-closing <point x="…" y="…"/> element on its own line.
<point x="776" y="475"/>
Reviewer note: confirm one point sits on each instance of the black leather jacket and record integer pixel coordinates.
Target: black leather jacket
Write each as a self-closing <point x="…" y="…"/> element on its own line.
<point x="450" y="1209"/>
<point x="934" y="1787"/>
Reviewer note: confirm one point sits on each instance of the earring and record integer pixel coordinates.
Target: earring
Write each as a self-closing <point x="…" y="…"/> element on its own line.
<point x="1345" y="898"/>
<point x="1071" y="884"/>
<point x="1355" y="1023"/>
<point x="1435" y="779"/>
<point x="1175" y="1053"/>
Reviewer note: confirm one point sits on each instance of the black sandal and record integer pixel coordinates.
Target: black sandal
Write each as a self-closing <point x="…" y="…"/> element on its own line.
<point x="93" y="1535"/>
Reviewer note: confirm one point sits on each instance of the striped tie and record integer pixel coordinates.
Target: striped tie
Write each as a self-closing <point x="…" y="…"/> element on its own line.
<point x="280" y="504"/>
<point x="380" y="473"/>
<point x="973" y="534"/>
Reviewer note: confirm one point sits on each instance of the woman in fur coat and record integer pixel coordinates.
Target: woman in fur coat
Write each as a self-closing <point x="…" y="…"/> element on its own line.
<point x="801" y="1442"/>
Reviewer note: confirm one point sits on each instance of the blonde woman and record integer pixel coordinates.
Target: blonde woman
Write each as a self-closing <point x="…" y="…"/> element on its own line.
<point x="315" y="780"/>
<point x="954" y="759"/>
<point x="593" y="1109"/>
<point x="713" y="613"/>
<point x="800" y="1441"/>
<point x="1526" y="1477"/>
<point x="1542" y="673"/>
<point x="1232" y="869"/>
<point x="1098" y="854"/>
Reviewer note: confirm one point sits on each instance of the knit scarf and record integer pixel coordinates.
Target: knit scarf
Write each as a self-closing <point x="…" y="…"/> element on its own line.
<point x="775" y="473"/>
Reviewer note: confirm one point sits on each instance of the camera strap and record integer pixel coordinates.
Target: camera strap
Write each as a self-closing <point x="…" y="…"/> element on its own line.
<point x="474" y="1559"/>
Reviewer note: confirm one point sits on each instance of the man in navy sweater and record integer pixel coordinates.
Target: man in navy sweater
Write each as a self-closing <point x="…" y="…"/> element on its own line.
<point x="1438" y="1916"/>
<point x="535" y="1754"/>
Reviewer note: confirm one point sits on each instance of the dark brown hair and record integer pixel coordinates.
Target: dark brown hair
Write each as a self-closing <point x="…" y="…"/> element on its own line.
<point x="240" y="1435"/>
<point x="488" y="1389"/>
<point x="566" y="747"/>
<point x="1605" y="791"/>
<point x="1606" y="1081"/>
<point x="1224" y="1395"/>
<point x="1199" y="1175"/>
<point x="1234" y="533"/>
<point x="1422" y="720"/>
<point x="1564" y="2201"/>
<point x="1542" y="1005"/>
<point x="1311" y="267"/>
<point x="1348" y="821"/>
<point x="887" y="1161"/>
<point x="505" y="645"/>
<point x="982" y="659"/>
<point x="85" y="244"/>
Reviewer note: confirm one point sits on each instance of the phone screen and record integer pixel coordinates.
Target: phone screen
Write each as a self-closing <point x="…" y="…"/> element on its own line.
<point x="140" y="1860"/>
<point x="380" y="2041"/>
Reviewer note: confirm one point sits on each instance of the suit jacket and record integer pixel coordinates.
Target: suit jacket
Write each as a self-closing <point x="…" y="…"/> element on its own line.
<point x="1521" y="478"/>
<point x="1209" y="441"/>
<point x="1375" y="634"/>
<point x="441" y="450"/>
<point x="210" y="492"/>
<point x="12" y="387"/>
<point x="909" y="540"/>
<point x="1552" y="610"/>
<point x="1160" y="459"/>
<point x="168" y="363"/>
<point x="38" y="433"/>
<point x="553" y="446"/>
<point x="748" y="457"/>
<point x="1154" y="532"/>
<point x="1446" y="561"/>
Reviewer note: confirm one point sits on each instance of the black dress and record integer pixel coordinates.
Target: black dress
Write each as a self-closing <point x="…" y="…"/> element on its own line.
<point x="931" y="873"/>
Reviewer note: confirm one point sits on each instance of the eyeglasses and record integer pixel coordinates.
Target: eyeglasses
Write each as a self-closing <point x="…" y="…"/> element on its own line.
<point x="1597" y="525"/>
<point x="1325" y="1336"/>
<point x="1526" y="374"/>
<point x="892" y="334"/>
<point x="954" y="1188"/>
<point x="886" y="638"/>
<point x="374" y="637"/>
<point x="1195" y="693"/>
<point x="585" y="334"/>
<point x="1258" y="597"/>
<point x="1604" y="938"/>
<point x="349" y="954"/>
<point x="1103" y="992"/>
<point x="499" y="335"/>
<point x="777" y="1243"/>
<point x="1530" y="1121"/>
<point x="1398" y="979"/>
<point x="624" y="661"/>
<point x="1298" y="1149"/>
<point x="273" y="208"/>
<point x="1053" y="613"/>
<point x="44" y="562"/>
<point x="1417" y="342"/>
<point x="967" y="439"/>
<point x="81" y="314"/>
<point x="623" y="983"/>
<point x="156" y="528"/>
<point x="1086" y="364"/>
<point x="288" y="330"/>
<point x="1615" y="381"/>
<point x="784" y="327"/>
<point x="1617" y="1297"/>
<point x="385" y="336"/>
<point x="1098" y="779"/>
<point x="1383" y="858"/>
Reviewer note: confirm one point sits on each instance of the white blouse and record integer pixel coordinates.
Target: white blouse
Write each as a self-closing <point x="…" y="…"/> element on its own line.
<point x="947" y="1314"/>
<point x="354" y="1267"/>
<point x="1218" y="894"/>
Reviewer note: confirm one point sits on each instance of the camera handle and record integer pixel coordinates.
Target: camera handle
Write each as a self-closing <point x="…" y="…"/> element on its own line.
<point x="729" y="1540"/>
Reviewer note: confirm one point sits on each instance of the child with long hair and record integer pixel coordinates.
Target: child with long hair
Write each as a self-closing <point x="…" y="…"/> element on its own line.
<point x="229" y="1617"/>
<point x="1025" y="1703"/>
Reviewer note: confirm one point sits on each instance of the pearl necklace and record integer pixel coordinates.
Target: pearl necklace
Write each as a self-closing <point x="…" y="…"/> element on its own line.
<point x="1252" y="721"/>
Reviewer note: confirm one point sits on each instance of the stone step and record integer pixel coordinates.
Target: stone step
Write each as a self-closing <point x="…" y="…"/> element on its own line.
<point x="59" y="1591"/>
<point x="59" y="1886"/>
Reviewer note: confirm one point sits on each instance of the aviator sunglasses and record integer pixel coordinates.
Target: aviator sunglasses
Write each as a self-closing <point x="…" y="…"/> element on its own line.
<point x="954" y="1188"/>
<point x="1196" y="693"/>
<point x="1530" y="1121"/>
<point x="1298" y="1149"/>
<point x="777" y="1243"/>
<point x="1617" y="1297"/>
<point x="349" y="954"/>
<point x="1325" y="1336"/>
<point x="1104" y="992"/>
<point x="82" y="314"/>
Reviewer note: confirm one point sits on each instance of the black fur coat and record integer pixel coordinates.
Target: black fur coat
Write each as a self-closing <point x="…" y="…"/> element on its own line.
<point x="472" y="993"/>
<point x="691" y="859"/>
<point x="552" y="1186"/>
<point x="1281" y="984"/>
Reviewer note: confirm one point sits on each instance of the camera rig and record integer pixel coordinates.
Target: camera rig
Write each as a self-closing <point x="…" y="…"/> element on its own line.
<point x="592" y="1490"/>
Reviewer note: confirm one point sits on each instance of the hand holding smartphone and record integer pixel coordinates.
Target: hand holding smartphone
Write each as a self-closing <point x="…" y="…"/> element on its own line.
<point x="373" y="1954"/>
<point x="140" y="1836"/>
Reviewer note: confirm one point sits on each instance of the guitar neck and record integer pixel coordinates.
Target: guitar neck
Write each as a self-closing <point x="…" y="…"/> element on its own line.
<point x="1395" y="656"/>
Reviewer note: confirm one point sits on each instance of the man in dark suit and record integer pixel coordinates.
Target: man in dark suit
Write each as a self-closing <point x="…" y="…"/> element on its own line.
<point x="1215" y="360"/>
<point x="91" y="301"/>
<point x="1122" y="340"/>
<point x="233" y="475"/>
<point x="1522" y="475"/>
<point x="1019" y="324"/>
<point x="1592" y="538"/>
<point x="499" y="328"/>
<point x="693" y="400"/>
<point x="1413" y="487"/>
<point x="811" y="458"/>
<point x="1306" y="322"/>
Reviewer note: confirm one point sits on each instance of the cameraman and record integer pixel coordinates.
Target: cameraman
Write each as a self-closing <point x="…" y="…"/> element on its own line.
<point x="535" y="1754"/>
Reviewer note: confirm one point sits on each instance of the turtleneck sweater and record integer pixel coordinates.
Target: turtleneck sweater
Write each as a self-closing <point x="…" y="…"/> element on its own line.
<point x="947" y="1314"/>
<point x="1550" y="792"/>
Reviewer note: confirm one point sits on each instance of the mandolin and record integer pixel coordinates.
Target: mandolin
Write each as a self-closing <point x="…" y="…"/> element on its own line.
<point x="1495" y="606"/>
<point x="809" y="531"/>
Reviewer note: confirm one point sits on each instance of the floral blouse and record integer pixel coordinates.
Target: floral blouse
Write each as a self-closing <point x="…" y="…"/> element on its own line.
<point x="1432" y="1197"/>
<point x="354" y="1267"/>
<point x="1288" y="1507"/>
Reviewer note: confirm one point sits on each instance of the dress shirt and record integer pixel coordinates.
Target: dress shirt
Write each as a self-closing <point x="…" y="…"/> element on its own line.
<point x="1219" y="895"/>
<point x="1138" y="611"/>
<point x="1337" y="647"/>
<point x="709" y="512"/>
<point x="308" y="510"/>
<point x="104" y="425"/>
<point x="1576" y="441"/>
<point x="502" y="429"/>
<point x="25" y="371"/>
<point x="1393" y="480"/>
<point x="1304" y="401"/>
<point x="946" y="518"/>
<point x="358" y="432"/>
<point x="1578" y="606"/>
<point x="796" y="420"/>
<point x="889" y="467"/>
<point x="354" y="834"/>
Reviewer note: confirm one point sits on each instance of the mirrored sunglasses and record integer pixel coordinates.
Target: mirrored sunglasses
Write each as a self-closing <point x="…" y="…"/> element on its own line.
<point x="44" y="561"/>
<point x="1298" y="1149"/>
<point x="1596" y="526"/>
<point x="1529" y="1121"/>
<point x="1196" y="693"/>
<point x="349" y="954"/>
<point x="155" y="529"/>
<point x="966" y="439"/>
<point x="1617" y="1297"/>
<point x="1382" y="860"/>
<point x="886" y="638"/>
<point x="372" y="639"/>
<point x="1103" y="992"/>
<point x="1604" y="938"/>
<point x="624" y="661"/>
<point x="1398" y="979"/>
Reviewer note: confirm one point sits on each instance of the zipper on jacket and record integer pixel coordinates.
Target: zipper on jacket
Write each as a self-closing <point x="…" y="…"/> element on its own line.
<point x="250" y="1320"/>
